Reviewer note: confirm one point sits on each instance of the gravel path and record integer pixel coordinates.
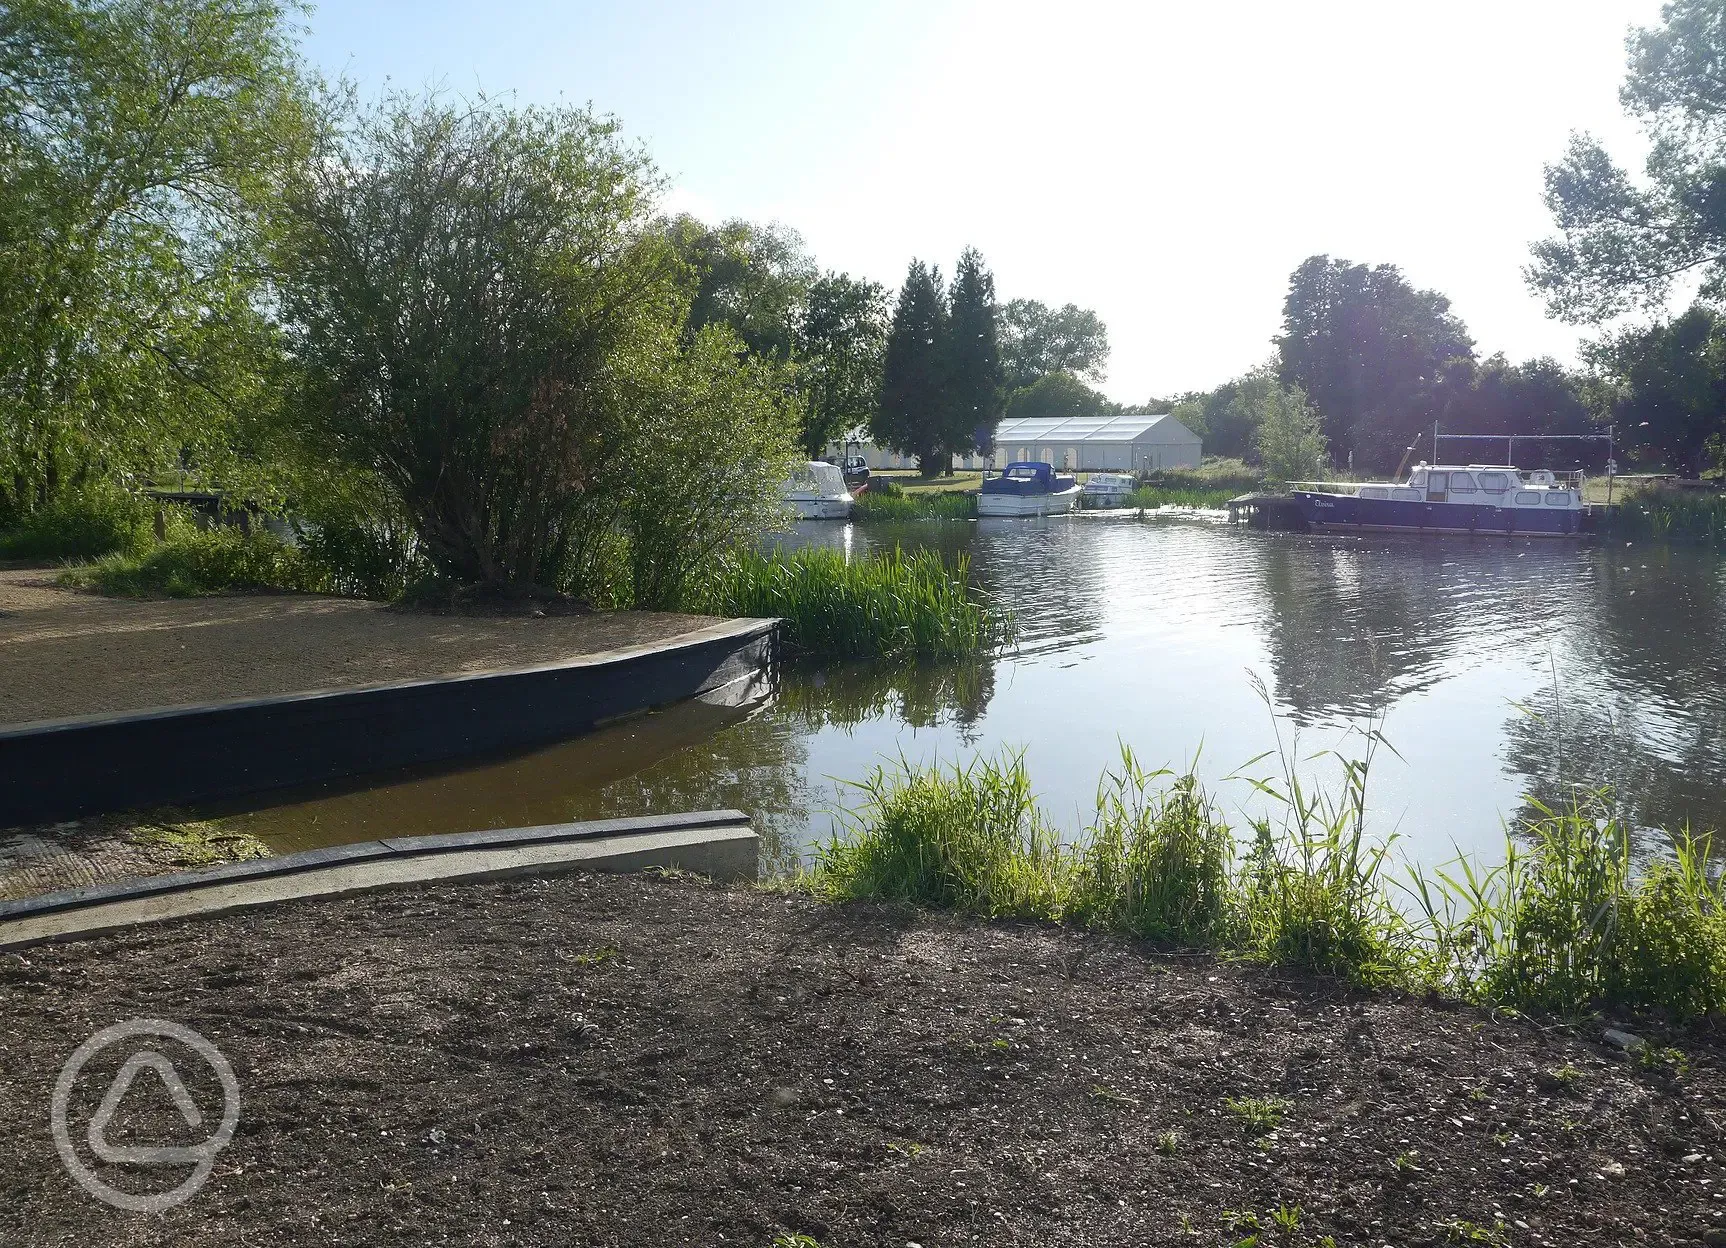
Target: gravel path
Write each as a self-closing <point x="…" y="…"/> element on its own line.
<point x="640" y="1061"/>
<point x="65" y="653"/>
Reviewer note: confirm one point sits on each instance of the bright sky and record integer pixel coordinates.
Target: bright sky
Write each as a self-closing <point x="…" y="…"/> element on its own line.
<point x="1162" y="161"/>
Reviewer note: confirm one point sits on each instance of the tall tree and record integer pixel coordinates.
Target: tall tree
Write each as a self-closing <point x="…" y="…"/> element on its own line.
<point x="1037" y="340"/>
<point x="1376" y="356"/>
<point x="1058" y="396"/>
<point x="1287" y="435"/>
<point x="973" y="358"/>
<point x="840" y="341"/>
<point x="1671" y="406"/>
<point x="1536" y="397"/>
<point x="142" y="145"/>
<point x="1621" y="245"/>
<point x="753" y="278"/>
<point x="912" y="417"/>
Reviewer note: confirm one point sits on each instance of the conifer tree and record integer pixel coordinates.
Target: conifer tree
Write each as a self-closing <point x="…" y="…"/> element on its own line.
<point x="973" y="358"/>
<point x="912" y="417"/>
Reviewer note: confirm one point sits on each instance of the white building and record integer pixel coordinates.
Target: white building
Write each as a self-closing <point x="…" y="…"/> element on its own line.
<point x="1127" y="443"/>
<point x="1071" y="443"/>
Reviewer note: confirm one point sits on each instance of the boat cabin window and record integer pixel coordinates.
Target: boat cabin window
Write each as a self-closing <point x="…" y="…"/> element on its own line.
<point x="1461" y="483"/>
<point x="1558" y="498"/>
<point x="1023" y="472"/>
<point x="1374" y="491"/>
<point x="1528" y="498"/>
<point x="1418" y="480"/>
<point x="1495" y="482"/>
<point x="1409" y="493"/>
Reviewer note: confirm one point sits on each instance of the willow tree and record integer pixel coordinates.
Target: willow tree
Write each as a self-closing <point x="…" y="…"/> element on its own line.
<point x="142" y="143"/>
<point x="487" y="321"/>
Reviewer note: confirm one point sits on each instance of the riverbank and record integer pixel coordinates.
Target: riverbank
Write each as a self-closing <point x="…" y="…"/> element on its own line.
<point x="634" y="1060"/>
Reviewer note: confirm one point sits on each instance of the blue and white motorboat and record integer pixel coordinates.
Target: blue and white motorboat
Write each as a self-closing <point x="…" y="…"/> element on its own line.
<point x="1449" y="498"/>
<point x="1027" y="489"/>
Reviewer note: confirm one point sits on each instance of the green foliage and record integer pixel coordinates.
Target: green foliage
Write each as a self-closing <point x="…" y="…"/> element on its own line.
<point x="142" y="145"/>
<point x="912" y="416"/>
<point x="1289" y="440"/>
<point x="1037" y="340"/>
<point x="1672" y="515"/>
<point x="1058" y="395"/>
<point x="1567" y="924"/>
<point x="969" y="839"/>
<point x="1375" y="356"/>
<point x="708" y="437"/>
<point x="193" y="562"/>
<point x="1155" y="863"/>
<point x="1621" y="243"/>
<point x="753" y="278"/>
<point x="891" y="504"/>
<point x="889" y="604"/>
<point x="1671" y="398"/>
<point x="840" y="342"/>
<point x="973" y="358"/>
<point x="1209" y="497"/>
<point x="97" y="520"/>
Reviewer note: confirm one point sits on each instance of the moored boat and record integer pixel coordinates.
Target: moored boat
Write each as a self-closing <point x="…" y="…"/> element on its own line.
<point x="816" y="491"/>
<point x="1449" y="498"/>
<point x="1027" y="489"/>
<point x="1107" y="489"/>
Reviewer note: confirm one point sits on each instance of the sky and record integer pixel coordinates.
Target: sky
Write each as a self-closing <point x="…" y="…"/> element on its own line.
<point x="1165" y="162"/>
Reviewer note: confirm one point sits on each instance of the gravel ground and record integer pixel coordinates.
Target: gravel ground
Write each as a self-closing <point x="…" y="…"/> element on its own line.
<point x="642" y="1061"/>
<point x="66" y="653"/>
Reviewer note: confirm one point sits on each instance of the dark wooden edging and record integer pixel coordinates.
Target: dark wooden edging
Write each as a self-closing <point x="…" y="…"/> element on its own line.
<point x="183" y="755"/>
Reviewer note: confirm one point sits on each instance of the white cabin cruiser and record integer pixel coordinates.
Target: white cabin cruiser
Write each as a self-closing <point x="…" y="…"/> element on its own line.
<point x="1107" y="489"/>
<point x="816" y="491"/>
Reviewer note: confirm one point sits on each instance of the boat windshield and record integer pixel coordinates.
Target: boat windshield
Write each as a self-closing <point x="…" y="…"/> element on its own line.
<point x="1025" y="472"/>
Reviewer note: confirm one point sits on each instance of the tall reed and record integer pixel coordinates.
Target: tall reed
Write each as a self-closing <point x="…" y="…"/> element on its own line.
<point x="929" y="505"/>
<point x="889" y="604"/>
<point x="1672" y="515"/>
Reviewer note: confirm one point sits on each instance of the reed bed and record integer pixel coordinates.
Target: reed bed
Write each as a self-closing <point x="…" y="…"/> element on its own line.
<point x="893" y="604"/>
<point x="889" y="505"/>
<point x="1566" y="923"/>
<point x="1673" y="515"/>
<point x="1207" y="497"/>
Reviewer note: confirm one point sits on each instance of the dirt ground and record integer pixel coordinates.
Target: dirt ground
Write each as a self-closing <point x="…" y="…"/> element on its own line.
<point x="642" y="1061"/>
<point x="66" y="653"/>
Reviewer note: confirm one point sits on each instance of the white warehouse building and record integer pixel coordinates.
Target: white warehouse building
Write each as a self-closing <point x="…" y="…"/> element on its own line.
<point x="1127" y="443"/>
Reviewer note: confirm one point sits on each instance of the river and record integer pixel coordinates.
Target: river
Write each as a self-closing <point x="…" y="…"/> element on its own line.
<point x="1497" y="670"/>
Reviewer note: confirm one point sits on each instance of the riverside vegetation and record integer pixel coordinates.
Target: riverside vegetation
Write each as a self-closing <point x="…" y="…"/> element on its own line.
<point x="1567" y="923"/>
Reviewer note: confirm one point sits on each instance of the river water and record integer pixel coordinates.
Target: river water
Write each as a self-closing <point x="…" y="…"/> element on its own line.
<point x="1497" y="670"/>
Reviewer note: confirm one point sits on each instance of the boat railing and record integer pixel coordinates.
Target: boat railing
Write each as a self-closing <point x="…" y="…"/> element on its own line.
<point x="1329" y="487"/>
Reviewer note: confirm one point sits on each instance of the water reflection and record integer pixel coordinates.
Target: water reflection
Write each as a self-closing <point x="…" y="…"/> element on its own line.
<point x="1145" y="632"/>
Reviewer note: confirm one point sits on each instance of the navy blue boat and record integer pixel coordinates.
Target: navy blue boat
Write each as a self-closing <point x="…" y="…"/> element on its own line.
<point x="1470" y="498"/>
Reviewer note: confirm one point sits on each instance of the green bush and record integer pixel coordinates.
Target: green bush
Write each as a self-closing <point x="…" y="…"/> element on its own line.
<point x="929" y="505"/>
<point x="81" y="525"/>
<point x="1672" y="515"/>
<point x="192" y="562"/>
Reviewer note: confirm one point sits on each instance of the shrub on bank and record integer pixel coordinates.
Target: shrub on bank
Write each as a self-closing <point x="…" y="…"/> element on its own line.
<point x="898" y="505"/>
<point x="893" y="604"/>
<point x="192" y="562"/>
<point x="84" y="524"/>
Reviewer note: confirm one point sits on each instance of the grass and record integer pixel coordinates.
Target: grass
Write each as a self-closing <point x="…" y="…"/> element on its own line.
<point x="1207" y="497"/>
<point x="1564" y="925"/>
<point x="81" y="525"/>
<point x="191" y="562"/>
<point x="1664" y="514"/>
<point x="893" y="604"/>
<point x="911" y="483"/>
<point x="894" y="504"/>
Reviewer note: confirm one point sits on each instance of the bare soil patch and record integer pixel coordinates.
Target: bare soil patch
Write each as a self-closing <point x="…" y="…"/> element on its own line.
<point x="65" y="653"/>
<point x="637" y="1061"/>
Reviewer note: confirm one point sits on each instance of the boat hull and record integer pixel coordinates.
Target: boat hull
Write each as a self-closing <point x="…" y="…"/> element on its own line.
<point x="1027" y="504"/>
<point x="1347" y="512"/>
<point x="821" y="508"/>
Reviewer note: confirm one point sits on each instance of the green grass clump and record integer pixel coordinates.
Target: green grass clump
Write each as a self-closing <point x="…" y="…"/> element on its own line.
<point x="1567" y="923"/>
<point x="970" y="839"/>
<point x="1207" y="497"/>
<point x="1672" y="515"/>
<point x="892" y="604"/>
<point x="1156" y="863"/>
<point x="85" y="524"/>
<point x="892" y="504"/>
<point x="193" y="562"/>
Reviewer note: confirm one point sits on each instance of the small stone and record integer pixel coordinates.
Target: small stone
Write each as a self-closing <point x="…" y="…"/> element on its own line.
<point x="785" y="1098"/>
<point x="436" y="1136"/>
<point x="1613" y="1170"/>
<point x="1691" y="1159"/>
<point x="1622" y="1039"/>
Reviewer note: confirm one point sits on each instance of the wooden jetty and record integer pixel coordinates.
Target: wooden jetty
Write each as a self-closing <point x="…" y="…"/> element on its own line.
<point x="1268" y="511"/>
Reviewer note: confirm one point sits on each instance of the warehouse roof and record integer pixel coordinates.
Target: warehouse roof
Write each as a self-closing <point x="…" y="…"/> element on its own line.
<point x="1069" y="429"/>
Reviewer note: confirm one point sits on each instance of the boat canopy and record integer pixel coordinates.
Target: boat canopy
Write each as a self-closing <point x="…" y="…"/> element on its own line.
<point x="1029" y="471"/>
